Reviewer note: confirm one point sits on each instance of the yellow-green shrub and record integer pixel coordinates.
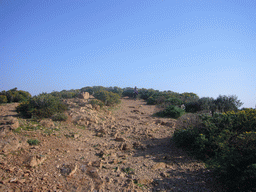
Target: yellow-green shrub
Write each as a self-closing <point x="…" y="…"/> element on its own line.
<point x="108" y="98"/>
<point x="3" y="99"/>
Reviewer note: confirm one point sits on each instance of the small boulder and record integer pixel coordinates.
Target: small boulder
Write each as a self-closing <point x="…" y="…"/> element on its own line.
<point x="68" y="170"/>
<point x="36" y="160"/>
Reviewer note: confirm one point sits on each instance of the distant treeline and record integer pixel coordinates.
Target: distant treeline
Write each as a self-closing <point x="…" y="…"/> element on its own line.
<point x="14" y="95"/>
<point x="191" y="101"/>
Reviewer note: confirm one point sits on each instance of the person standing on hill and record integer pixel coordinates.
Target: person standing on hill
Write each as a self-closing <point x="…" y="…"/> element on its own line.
<point x="135" y="93"/>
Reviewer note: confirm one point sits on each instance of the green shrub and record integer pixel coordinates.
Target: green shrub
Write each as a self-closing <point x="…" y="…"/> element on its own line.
<point x="59" y="117"/>
<point x="108" y="98"/>
<point x="13" y="95"/>
<point x="185" y="138"/>
<point x="171" y="111"/>
<point x="146" y="93"/>
<point x="3" y="99"/>
<point x="95" y="102"/>
<point x="128" y="92"/>
<point x="43" y="105"/>
<point x="227" y="144"/>
<point x="33" y="141"/>
<point x="151" y="101"/>
<point x="115" y="89"/>
<point x="173" y="101"/>
<point x="65" y="94"/>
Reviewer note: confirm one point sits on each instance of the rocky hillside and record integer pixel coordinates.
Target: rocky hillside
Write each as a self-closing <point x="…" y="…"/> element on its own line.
<point x="110" y="149"/>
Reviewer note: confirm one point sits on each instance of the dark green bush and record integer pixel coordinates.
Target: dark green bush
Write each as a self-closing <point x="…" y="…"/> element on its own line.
<point x="3" y="99"/>
<point x="108" y="98"/>
<point x="192" y="107"/>
<point x="185" y="138"/>
<point x="43" y="105"/>
<point x="171" y="111"/>
<point x="173" y="101"/>
<point x="59" y="117"/>
<point x="151" y="101"/>
<point x="146" y="93"/>
<point x="128" y="92"/>
<point x="227" y="144"/>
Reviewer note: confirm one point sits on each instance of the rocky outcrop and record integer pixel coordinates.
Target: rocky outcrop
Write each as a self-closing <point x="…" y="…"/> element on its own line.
<point x="84" y="95"/>
<point x="9" y="123"/>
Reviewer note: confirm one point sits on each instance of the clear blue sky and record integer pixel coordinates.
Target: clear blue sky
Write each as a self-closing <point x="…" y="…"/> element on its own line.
<point x="207" y="47"/>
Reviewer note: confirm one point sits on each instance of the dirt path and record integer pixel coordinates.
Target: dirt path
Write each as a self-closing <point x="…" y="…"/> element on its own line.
<point x="123" y="150"/>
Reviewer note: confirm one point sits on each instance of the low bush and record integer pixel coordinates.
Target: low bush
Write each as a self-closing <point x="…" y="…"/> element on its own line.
<point x="59" y="117"/>
<point x="108" y="98"/>
<point x="227" y="144"/>
<point x="128" y="92"/>
<point x="95" y="102"/>
<point x="151" y="101"/>
<point x="147" y="93"/>
<point x="173" y="101"/>
<point x="33" y="141"/>
<point x="171" y="111"/>
<point x="41" y="106"/>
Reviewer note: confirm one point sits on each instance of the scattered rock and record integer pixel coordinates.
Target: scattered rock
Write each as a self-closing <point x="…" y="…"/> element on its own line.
<point x="93" y="173"/>
<point x="97" y="164"/>
<point x="36" y="160"/>
<point x="99" y="134"/>
<point x="21" y="181"/>
<point x="47" y="123"/>
<point x="164" y="174"/>
<point x="135" y="111"/>
<point x="144" y="181"/>
<point x="125" y="146"/>
<point x="159" y="166"/>
<point x="119" y="139"/>
<point x="9" y="123"/>
<point x="68" y="170"/>
<point x="12" y="143"/>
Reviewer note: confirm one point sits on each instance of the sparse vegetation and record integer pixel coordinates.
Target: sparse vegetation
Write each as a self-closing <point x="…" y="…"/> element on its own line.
<point x="33" y="141"/>
<point x="59" y="117"/>
<point x="128" y="170"/>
